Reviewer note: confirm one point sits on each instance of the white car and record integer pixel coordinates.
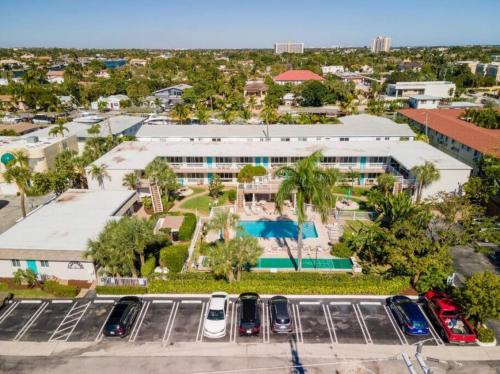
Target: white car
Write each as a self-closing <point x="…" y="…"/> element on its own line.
<point x="215" y="317"/>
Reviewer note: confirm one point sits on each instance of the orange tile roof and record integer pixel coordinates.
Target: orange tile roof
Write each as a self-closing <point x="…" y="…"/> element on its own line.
<point x="298" y="75"/>
<point x="447" y="122"/>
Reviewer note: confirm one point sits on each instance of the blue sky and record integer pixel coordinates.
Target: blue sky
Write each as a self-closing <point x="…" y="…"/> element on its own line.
<point x="244" y="23"/>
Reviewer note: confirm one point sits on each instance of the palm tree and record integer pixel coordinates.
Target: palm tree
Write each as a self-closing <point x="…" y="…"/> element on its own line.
<point x="203" y="115"/>
<point x="18" y="172"/>
<point x="98" y="173"/>
<point x="228" y="116"/>
<point x="94" y="129"/>
<point x="221" y="261"/>
<point x="252" y="103"/>
<point x="385" y="183"/>
<point x="311" y="184"/>
<point x="286" y="118"/>
<point x="159" y="172"/>
<point x="131" y="181"/>
<point x="223" y="221"/>
<point x="246" y="252"/>
<point x="181" y="112"/>
<point x="58" y="129"/>
<point x="425" y="175"/>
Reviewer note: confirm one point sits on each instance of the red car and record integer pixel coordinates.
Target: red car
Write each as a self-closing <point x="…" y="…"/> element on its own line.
<point x="454" y="327"/>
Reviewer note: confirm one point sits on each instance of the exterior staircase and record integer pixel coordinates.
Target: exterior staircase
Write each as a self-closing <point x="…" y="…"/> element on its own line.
<point x="155" y="192"/>
<point x="240" y="199"/>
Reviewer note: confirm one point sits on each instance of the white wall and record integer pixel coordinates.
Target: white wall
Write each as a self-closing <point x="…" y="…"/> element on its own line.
<point x="449" y="181"/>
<point x="59" y="269"/>
<point x="114" y="182"/>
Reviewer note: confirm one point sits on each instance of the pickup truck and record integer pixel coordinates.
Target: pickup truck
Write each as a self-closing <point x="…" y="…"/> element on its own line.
<point x="454" y="327"/>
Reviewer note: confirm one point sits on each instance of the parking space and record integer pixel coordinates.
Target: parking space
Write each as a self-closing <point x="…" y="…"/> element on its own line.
<point x="153" y="326"/>
<point x="48" y="320"/>
<point x="312" y="323"/>
<point x="345" y="321"/>
<point x="379" y="326"/>
<point x="187" y="321"/>
<point x="90" y="326"/>
<point x="18" y="318"/>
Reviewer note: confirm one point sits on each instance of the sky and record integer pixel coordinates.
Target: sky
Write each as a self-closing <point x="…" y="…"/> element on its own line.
<point x="245" y="23"/>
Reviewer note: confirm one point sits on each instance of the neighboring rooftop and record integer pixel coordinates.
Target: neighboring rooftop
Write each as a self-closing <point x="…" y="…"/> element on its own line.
<point x="425" y="97"/>
<point x="136" y="155"/>
<point x="360" y="125"/>
<point x="66" y="223"/>
<point x="447" y="122"/>
<point x="20" y="128"/>
<point x="298" y="75"/>
<point x="420" y="83"/>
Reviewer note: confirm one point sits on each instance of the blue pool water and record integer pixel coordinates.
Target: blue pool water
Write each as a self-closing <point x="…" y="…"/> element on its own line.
<point x="278" y="229"/>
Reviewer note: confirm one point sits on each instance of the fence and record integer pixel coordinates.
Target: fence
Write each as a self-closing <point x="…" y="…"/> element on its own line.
<point x="355" y="215"/>
<point x="112" y="281"/>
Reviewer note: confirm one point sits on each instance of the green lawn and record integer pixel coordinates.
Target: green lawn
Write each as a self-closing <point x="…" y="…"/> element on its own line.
<point x="356" y="191"/>
<point x="26" y="293"/>
<point x="203" y="202"/>
<point x="197" y="189"/>
<point x="352" y="226"/>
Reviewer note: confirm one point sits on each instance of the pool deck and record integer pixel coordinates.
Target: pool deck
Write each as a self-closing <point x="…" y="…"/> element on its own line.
<point x="278" y="247"/>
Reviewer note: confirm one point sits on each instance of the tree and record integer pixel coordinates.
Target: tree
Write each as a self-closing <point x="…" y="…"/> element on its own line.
<point x="181" y="112"/>
<point x="159" y="172"/>
<point x="246" y="251"/>
<point x="392" y="208"/>
<point x="313" y="94"/>
<point x="221" y="261"/>
<point x="58" y="129"/>
<point x="480" y="295"/>
<point x="131" y="180"/>
<point x="269" y="115"/>
<point x="385" y="183"/>
<point x="215" y="187"/>
<point x="98" y="173"/>
<point x="228" y="116"/>
<point x="375" y="107"/>
<point x="94" y="129"/>
<point x="425" y="174"/>
<point x="102" y="106"/>
<point x="203" y="116"/>
<point x="477" y="192"/>
<point x="248" y="172"/>
<point x="17" y="171"/>
<point x="223" y="221"/>
<point x="352" y="175"/>
<point x="311" y="184"/>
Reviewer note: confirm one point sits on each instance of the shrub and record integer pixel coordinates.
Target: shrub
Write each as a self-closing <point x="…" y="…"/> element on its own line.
<point x="148" y="267"/>
<point x="61" y="290"/>
<point x="231" y="195"/>
<point x="4" y="286"/>
<point x="292" y="283"/>
<point x="248" y="172"/>
<point x="174" y="257"/>
<point x="341" y="250"/>
<point x="120" y="290"/>
<point x="187" y="228"/>
<point x="27" y="277"/>
<point x="147" y="202"/>
<point x="485" y="335"/>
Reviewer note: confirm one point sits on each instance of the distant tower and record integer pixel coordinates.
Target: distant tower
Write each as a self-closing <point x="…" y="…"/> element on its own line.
<point x="289" y="47"/>
<point x="381" y="44"/>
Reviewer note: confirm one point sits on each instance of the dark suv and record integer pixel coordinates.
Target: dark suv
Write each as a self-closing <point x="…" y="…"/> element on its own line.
<point x="250" y="313"/>
<point x="281" y="322"/>
<point x="122" y="316"/>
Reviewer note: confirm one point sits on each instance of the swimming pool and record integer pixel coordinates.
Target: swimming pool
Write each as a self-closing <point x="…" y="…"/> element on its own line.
<point x="278" y="229"/>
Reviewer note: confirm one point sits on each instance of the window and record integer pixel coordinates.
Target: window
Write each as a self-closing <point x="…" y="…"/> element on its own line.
<point x="344" y="139"/>
<point x="16" y="263"/>
<point x="226" y="177"/>
<point x="174" y="160"/>
<point x="285" y="139"/>
<point x="377" y="160"/>
<point x="191" y="139"/>
<point x="387" y="138"/>
<point x="216" y="139"/>
<point x="377" y="139"/>
<point x="197" y="160"/>
<point x="224" y="160"/>
<point x="278" y="160"/>
<point x="404" y="138"/>
<point x="302" y="139"/>
<point x="245" y="160"/>
<point x="295" y="159"/>
<point x="44" y="263"/>
<point x="347" y="160"/>
<point x="329" y="160"/>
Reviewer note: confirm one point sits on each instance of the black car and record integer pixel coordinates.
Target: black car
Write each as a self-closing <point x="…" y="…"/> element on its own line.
<point x="281" y="322"/>
<point x="250" y="313"/>
<point x="43" y="119"/>
<point x="122" y="316"/>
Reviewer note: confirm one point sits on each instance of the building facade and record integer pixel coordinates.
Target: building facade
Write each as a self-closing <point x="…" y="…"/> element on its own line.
<point x="381" y="44"/>
<point x="441" y="89"/>
<point x="288" y="47"/>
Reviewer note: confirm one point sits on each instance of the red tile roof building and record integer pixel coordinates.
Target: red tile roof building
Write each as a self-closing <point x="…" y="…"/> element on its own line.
<point x="448" y="132"/>
<point x="297" y="77"/>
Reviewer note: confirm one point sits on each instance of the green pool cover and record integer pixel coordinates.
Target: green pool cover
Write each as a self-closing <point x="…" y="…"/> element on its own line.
<point x="307" y="263"/>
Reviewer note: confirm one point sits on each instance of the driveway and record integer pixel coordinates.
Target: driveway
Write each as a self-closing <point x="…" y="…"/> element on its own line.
<point x="10" y="208"/>
<point x="468" y="262"/>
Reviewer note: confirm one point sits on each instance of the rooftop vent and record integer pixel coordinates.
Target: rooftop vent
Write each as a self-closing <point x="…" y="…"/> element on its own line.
<point x="32" y="139"/>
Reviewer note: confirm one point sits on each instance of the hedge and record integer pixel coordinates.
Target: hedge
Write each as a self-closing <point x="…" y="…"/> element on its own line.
<point x="187" y="228"/>
<point x="148" y="267"/>
<point x="174" y="257"/>
<point x="61" y="290"/>
<point x="277" y="283"/>
<point x="485" y="335"/>
<point x="341" y="250"/>
<point x="231" y="195"/>
<point x="4" y="286"/>
<point x="120" y="290"/>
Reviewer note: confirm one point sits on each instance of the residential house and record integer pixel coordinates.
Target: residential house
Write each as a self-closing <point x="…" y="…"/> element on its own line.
<point x="112" y="102"/>
<point x="297" y="77"/>
<point x="55" y="76"/>
<point x="171" y="95"/>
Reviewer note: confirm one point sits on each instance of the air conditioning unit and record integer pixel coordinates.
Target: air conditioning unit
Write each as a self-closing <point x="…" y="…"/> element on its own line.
<point x="32" y="139"/>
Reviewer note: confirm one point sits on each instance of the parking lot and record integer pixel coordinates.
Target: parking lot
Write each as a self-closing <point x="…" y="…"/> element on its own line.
<point x="175" y="320"/>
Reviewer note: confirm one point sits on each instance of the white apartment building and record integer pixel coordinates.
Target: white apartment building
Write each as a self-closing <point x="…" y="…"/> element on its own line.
<point x="112" y="102"/>
<point x="441" y="89"/>
<point x="288" y="47"/>
<point x="423" y="102"/>
<point x="52" y="240"/>
<point x="381" y="44"/>
<point x="332" y="69"/>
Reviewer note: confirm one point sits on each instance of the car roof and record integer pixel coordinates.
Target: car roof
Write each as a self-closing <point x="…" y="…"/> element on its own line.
<point x="249" y="309"/>
<point x="413" y="311"/>
<point x="248" y="295"/>
<point x="217" y="303"/>
<point x="277" y="299"/>
<point x="128" y="299"/>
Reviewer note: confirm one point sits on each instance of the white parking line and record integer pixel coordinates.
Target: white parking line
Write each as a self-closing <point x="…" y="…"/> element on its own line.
<point x="30" y="322"/>
<point x="300" y="325"/>
<point x="99" y="301"/>
<point x="362" y="324"/>
<point x="191" y="301"/>
<point x="163" y="301"/>
<point x="138" y="322"/>
<point x="31" y="301"/>
<point x="236" y="326"/>
<point x="329" y="324"/>
<point x="309" y="302"/>
<point x="9" y="310"/>
<point x="399" y="333"/>
<point x="340" y="303"/>
<point x="170" y="323"/>
<point x="265" y="323"/>
<point x="434" y="333"/>
<point x="62" y="301"/>
<point x="201" y="323"/>
<point x="231" y="324"/>
<point x="295" y="323"/>
<point x="370" y="303"/>
<point x="61" y="333"/>
<point x="99" y="335"/>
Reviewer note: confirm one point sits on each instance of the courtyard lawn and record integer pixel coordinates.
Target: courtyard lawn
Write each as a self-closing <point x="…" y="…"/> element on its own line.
<point x="202" y="202"/>
<point x="353" y="226"/>
<point x="356" y="191"/>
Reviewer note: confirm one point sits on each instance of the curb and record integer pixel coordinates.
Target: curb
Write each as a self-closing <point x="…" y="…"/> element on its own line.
<point x="207" y="295"/>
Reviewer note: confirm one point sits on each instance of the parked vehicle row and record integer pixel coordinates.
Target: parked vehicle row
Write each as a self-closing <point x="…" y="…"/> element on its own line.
<point x="442" y="310"/>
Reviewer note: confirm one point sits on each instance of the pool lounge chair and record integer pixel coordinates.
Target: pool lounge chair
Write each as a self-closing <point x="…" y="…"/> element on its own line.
<point x="247" y="210"/>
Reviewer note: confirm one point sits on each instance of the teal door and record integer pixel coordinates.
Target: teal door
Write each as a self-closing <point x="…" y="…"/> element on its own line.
<point x="266" y="162"/>
<point x="209" y="162"/>
<point x="210" y="177"/>
<point x="32" y="266"/>
<point x="362" y="163"/>
<point x="257" y="160"/>
<point x="361" y="180"/>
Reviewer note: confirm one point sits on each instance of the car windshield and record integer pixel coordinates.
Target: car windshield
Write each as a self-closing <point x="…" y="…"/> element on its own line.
<point x="215" y="315"/>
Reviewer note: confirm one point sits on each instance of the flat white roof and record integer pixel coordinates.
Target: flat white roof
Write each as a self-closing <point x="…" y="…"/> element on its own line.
<point x="425" y="97"/>
<point x="420" y="83"/>
<point x="355" y="125"/>
<point x="66" y="223"/>
<point x="136" y="155"/>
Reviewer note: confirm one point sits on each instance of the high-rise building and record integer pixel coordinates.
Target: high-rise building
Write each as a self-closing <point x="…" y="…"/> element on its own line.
<point x="381" y="44"/>
<point x="288" y="48"/>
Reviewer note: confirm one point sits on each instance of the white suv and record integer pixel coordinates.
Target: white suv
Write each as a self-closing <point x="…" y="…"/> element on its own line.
<point x="215" y="317"/>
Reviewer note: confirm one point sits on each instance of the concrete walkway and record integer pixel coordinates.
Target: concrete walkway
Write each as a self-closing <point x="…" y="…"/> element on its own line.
<point x="177" y="204"/>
